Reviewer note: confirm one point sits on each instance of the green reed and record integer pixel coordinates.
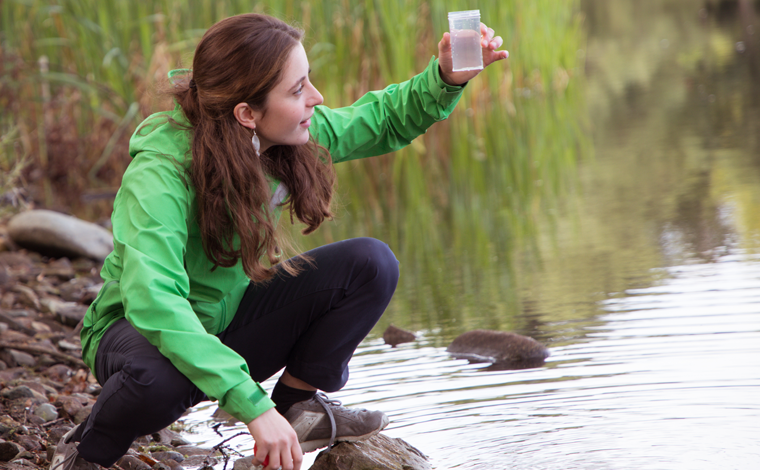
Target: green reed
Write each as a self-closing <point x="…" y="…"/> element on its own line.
<point x="457" y="206"/>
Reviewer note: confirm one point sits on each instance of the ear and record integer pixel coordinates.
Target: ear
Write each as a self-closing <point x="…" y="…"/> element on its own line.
<point x="245" y="115"/>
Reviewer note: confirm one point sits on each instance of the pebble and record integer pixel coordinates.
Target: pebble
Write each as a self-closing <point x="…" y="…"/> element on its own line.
<point x="17" y="392"/>
<point x="60" y="268"/>
<point x="27" y="296"/>
<point x="394" y="335"/>
<point x="173" y="465"/>
<point x="5" y="276"/>
<point x="22" y="358"/>
<point x="30" y="443"/>
<point x="9" y="451"/>
<point x="58" y="373"/>
<point x="47" y="412"/>
<point x="82" y="414"/>
<point x="168" y="455"/>
<point x="199" y="461"/>
<point x="70" y="405"/>
<point x="130" y="462"/>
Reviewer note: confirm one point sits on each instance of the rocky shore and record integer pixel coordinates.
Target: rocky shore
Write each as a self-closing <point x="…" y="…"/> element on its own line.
<point x="45" y="388"/>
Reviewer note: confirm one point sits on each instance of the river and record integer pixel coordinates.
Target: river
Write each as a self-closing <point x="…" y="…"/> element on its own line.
<point x="644" y="282"/>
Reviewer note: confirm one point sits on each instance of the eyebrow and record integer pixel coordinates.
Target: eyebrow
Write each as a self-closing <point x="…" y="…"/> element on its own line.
<point x="298" y="82"/>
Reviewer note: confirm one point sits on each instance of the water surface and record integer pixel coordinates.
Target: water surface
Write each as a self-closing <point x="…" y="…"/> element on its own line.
<point x="644" y="281"/>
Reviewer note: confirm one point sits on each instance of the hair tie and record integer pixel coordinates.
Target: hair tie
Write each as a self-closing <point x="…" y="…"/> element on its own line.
<point x="192" y="83"/>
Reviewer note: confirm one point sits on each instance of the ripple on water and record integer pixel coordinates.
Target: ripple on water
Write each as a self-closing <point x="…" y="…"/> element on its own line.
<point x="668" y="378"/>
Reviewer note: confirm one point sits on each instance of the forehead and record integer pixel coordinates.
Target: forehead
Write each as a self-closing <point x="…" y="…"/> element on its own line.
<point x="296" y="67"/>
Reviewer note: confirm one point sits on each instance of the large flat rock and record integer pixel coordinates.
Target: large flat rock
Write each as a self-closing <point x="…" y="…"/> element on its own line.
<point x="54" y="234"/>
<point x="379" y="452"/>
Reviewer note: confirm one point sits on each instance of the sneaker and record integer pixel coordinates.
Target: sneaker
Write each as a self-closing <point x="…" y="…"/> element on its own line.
<point x="320" y="422"/>
<point x="66" y="456"/>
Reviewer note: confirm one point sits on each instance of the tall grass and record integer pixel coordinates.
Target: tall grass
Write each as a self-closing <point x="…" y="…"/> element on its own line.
<point x="456" y="206"/>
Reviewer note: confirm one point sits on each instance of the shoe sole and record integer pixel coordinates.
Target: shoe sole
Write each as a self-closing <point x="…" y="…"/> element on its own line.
<point x="311" y="446"/>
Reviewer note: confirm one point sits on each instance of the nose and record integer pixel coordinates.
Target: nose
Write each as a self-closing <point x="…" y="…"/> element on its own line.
<point x="315" y="98"/>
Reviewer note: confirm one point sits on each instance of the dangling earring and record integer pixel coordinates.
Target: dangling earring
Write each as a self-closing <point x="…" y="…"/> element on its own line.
<point x="256" y="143"/>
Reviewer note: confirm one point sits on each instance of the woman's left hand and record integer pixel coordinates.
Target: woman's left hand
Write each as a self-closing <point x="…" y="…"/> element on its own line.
<point x="488" y="42"/>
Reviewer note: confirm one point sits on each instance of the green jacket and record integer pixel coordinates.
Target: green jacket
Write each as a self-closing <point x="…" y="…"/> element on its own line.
<point x="158" y="275"/>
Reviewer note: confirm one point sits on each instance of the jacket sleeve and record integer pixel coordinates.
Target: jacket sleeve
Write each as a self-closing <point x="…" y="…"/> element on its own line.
<point x="150" y="236"/>
<point x="387" y="120"/>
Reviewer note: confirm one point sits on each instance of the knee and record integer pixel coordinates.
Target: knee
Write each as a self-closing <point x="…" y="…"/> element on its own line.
<point x="161" y="384"/>
<point x="379" y="260"/>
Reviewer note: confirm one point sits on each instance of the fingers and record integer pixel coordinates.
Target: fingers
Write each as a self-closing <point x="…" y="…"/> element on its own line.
<point x="488" y="40"/>
<point x="445" y="43"/>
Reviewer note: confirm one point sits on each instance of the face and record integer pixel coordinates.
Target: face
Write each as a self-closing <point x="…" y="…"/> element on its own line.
<point x="290" y="105"/>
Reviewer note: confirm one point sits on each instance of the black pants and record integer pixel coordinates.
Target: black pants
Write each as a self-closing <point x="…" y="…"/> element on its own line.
<point x="310" y="324"/>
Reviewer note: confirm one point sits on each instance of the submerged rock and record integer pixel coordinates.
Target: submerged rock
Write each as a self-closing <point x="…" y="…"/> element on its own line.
<point x="54" y="234"/>
<point x="377" y="453"/>
<point x="394" y="335"/>
<point x="503" y="349"/>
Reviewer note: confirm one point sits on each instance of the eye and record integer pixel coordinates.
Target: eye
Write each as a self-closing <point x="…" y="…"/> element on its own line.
<point x="300" y="89"/>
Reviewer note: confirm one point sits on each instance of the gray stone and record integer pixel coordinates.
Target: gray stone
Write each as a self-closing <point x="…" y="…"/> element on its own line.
<point x="195" y="461"/>
<point x="377" y="453"/>
<point x="173" y="465"/>
<point x="68" y="345"/>
<point x="71" y="405"/>
<point x="68" y="313"/>
<point x="130" y="462"/>
<point x="82" y="414"/>
<point x="28" y="442"/>
<point x="60" y="268"/>
<point x="394" y="335"/>
<point x="9" y="451"/>
<point x="57" y="433"/>
<point x="190" y="451"/>
<point x="27" y="296"/>
<point x="59" y="373"/>
<point x="167" y="455"/>
<point x="5" y="275"/>
<point x="55" y="234"/>
<point x="503" y="349"/>
<point x="243" y="464"/>
<point x="168" y="437"/>
<point x="47" y="412"/>
<point x="220" y="415"/>
<point x="18" y="392"/>
<point x="7" y="424"/>
<point x="22" y="358"/>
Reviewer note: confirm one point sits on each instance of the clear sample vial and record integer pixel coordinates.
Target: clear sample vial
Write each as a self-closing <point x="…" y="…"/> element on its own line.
<point x="466" y="52"/>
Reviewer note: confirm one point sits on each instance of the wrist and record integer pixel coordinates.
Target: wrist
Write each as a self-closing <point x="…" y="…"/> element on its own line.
<point x="447" y="80"/>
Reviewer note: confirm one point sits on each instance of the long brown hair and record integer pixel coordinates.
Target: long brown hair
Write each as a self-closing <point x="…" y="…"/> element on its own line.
<point x="240" y="60"/>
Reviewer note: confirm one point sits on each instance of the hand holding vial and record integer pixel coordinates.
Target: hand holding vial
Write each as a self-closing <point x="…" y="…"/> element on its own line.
<point x="468" y="48"/>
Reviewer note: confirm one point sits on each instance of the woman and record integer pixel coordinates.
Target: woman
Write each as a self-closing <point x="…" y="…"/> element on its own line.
<point x="188" y="310"/>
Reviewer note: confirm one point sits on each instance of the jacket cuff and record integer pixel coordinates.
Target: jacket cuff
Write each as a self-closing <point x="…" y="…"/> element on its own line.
<point x="246" y="401"/>
<point x="444" y="93"/>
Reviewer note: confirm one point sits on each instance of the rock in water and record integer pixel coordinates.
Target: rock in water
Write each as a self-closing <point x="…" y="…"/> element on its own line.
<point x="394" y="335"/>
<point x="376" y="453"/>
<point x="505" y="350"/>
<point x="57" y="235"/>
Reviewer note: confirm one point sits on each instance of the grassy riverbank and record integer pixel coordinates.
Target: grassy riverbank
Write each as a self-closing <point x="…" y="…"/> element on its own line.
<point x="457" y="206"/>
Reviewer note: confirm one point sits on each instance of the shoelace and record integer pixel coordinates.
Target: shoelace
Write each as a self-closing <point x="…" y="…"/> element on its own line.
<point x="323" y="400"/>
<point x="68" y="462"/>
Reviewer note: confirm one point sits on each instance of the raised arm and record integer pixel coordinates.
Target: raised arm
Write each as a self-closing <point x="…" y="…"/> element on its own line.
<point x="387" y="120"/>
